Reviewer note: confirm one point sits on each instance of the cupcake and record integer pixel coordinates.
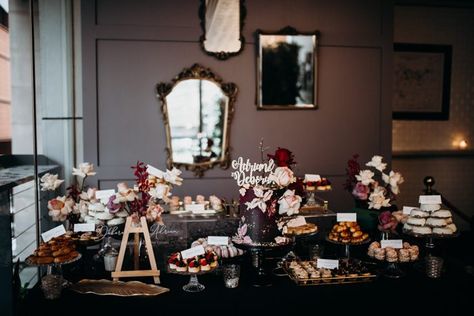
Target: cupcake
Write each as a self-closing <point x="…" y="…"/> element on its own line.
<point x="181" y="266"/>
<point x="204" y="264"/>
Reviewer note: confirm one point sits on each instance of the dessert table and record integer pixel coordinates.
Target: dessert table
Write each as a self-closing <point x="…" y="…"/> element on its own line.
<point x="450" y="294"/>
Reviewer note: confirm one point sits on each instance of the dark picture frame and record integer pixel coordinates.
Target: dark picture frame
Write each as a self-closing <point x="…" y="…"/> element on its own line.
<point x="421" y="81"/>
<point x="287" y="69"/>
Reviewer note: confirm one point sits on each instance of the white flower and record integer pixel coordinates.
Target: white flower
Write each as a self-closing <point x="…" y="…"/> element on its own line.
<point x="124" y="194"/>
<point x="172" y="176"/>
<point x="242" y="191"/>
<point x="160" y="191"/>
<point x="282" y="176"/>
<point x="216" y="203"/>
<point x="154" y="212"/>
<point x="260" y="199"/>
<point x="61" y="207"/>
<point x="97" y="207"/>
<point x="289" y="203"/>
<point x="377" y="163"/>
<point x="89" y="195"/>
<point x="85" y="169"/>
<point x="394" y="179"/>
<point x="50" y="182"/>
<point x="377" y="198"/>
<point x="365" y="177"/>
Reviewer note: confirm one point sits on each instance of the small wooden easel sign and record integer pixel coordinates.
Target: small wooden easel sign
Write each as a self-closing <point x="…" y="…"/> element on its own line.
<point x="154" y="272"/>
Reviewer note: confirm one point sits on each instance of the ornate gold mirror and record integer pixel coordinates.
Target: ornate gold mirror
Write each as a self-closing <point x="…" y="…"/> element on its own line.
<point x="197" y="109"/>
<point x="222" y="22"/>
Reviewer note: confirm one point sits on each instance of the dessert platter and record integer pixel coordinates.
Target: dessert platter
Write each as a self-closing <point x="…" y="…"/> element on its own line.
<point x="429" y="221"/>
<point x="57" y="251"/>
<point x="347" y="234"/>
<point x="349" y="271"/>
<point x="394" y="257"/>
<point x="297" y="227"/>
<point x="193" y="267"/>
<point x="222" y="251"/>
<point x="86" y="239"/>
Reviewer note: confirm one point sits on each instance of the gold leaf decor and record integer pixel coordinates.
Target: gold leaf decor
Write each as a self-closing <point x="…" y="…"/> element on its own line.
<point x="117" y="288"/>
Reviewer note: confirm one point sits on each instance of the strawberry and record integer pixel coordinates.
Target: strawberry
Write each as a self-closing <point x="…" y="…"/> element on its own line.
<point x="203" y="262"/>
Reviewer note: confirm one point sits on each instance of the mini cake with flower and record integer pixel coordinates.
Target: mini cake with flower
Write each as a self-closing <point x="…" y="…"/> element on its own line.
<point x="266" y="194"/>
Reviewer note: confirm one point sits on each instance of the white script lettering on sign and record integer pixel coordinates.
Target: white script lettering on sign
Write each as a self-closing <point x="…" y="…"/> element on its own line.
<point x="244" y="172"/>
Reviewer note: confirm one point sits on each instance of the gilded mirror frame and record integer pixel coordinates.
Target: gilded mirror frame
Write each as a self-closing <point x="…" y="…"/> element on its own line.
<point x="229" y="89"/>
<point x="288" y="30"/>
<point x="222" y="55"/>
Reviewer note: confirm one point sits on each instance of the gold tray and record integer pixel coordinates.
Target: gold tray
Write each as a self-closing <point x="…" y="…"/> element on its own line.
<point x="331" y="280"/>
<point x="117" y="288"/>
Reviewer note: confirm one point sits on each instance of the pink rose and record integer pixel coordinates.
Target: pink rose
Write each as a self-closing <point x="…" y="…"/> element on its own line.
<point x="282" y="176"/>
<point x="360" y="191"/>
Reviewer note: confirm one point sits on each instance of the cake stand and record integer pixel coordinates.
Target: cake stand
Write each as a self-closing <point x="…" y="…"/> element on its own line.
<point x="430" y="238"/>
<point x="257" y="252"/>
<point x="347" y="246"/>
<point x="193" y="285"/>
<point x="58" y="266"/>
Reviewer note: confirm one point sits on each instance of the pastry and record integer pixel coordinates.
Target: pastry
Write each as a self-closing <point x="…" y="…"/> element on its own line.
<point x="204" y="264"/>
<point x="58" y="250"/>
<point x="452" y="227"/>
<point x="414" y="221"/>
<point x="194" y="266"/>
<point x="430" y="207"/>
<point x="422" y="230"/>
<point x="436" y="222"/>
<point x="407" y="227"/>
<point x="181" y="266"/>
<point x="442" y="231"/>
<point x="116" y="221"/>
<point x="403" y="255"/>
<point x="379" y="254"/>
<point x="441" y="214"/>
<point x="419" y="213"/>
<point x="347" y="233"/>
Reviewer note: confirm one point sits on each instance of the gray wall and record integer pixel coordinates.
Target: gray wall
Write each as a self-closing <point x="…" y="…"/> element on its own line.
<point x="130" y="46"/>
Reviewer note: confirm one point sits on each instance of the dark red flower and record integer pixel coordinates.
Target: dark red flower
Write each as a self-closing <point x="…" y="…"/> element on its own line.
<point x="283" y="157"/>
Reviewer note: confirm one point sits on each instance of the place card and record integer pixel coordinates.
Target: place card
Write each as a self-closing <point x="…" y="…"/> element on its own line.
<point x="192" y="252"/>
<point x="104" y="195"/>
<point x="297" y="221"/>
<point x="407" y="210"/>
<point x="154" y="171"/>
<point x="55" y="232"/>
<point x="86" y="227"/>
<point x="194" y="207"/>
<point x="327" y="264"/>
<point x="312" y="178"/>
<point x="218" y="240"/>
<point x="346" y="217"/>
<point x="393" y="243"/>
<point x="430" y="199"/>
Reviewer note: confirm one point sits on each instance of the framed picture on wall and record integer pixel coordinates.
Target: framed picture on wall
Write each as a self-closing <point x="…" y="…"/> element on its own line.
<point x="422" y="81"/>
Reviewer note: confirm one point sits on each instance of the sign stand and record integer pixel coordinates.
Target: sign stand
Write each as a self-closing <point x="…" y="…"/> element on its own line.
<point x="143" y="228"/>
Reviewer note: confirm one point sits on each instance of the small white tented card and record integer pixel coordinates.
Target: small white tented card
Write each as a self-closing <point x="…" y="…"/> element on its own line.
<point x="407" y="210"/>
<point x="346" y="217"/>
<point x="154" y="171"/>
<point x="393" y="243"/>
<point x="192" y="252"/>
<point x="86" y="227"/>
<point x="327" y="264"/>
<point x="430" y="199"/>
<point x="55" y="232"/>
<point x="218" y="240"/>
<point x="104" y="195"/>
<point x="312" y="178"/>
<point x="194" y="207"/>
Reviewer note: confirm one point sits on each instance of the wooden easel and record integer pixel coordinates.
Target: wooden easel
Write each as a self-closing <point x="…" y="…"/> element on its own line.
<point x="154" y="272"/>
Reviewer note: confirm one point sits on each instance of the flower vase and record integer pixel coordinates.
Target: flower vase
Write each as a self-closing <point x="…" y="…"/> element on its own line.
<point x="367" y="218"/>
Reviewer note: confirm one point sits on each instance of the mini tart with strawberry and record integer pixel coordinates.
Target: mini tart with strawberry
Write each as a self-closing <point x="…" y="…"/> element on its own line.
<point x="211" y="258"/>
<point x="174" y="257"/>
<point x="194" y="266"/>
<point x="181" y="266"/>
<point x="204" y="264"/>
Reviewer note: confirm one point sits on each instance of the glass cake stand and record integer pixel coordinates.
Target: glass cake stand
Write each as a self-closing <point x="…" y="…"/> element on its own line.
<point x="193" y="285"/>
<point x="257" y="252"/>
<point x="430" y="238"/>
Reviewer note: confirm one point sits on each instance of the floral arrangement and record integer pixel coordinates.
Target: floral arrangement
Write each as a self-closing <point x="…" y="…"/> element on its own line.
<point x="81" y="205"/>
<point x="387" y="222"/>
<point x="372" y="185"/>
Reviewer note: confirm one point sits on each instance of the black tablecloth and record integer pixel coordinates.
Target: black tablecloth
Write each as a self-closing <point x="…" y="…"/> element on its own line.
<point x="449" y="295"/>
